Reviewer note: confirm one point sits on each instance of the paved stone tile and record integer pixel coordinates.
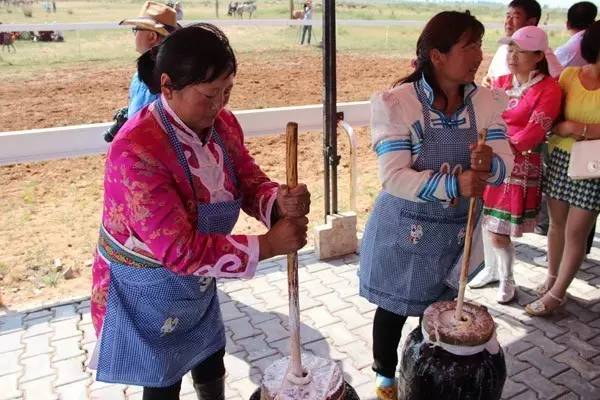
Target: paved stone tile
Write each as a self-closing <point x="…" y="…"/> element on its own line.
<point x="333" y="302"/>
<point x="544" y="388"/>
<point x="340" y="334"/>
<point x="230" y="311"/>
<point x="273" y="330"/>
<point x="512" y="388"/>
<point x="273" y="301"/>
<point x="581" y="330"/>
<point x="65" y="328"/>
<point x="11" y="322"/>
<point x="322" y="348"/>
<point x="316" y="289"/>
<point x="514" y="366"/>
<point x="261" y="285"/>
<point x="329" y="276"/>
<point x="246" y="386"/>
<point x="39" y="389"/>
<point x="9" y="385"/>
<point x="361" y="304"/>
<point x="337" y="324"/>
<point x="38" y="314"/>
<point x="581" y="313"/>
<point x="11" y="341"/>
<point x="516" y="347"/>
<point x="245" y="296"/>
<point x="546" y="365"/>
<point x="307" y="302"/>
<point x="88" y="333"/>
<point x="574" y="382"/>
<point x="345" y="289"/>
<point x="73" y="391"/>
<point x="527" y="395"/>
<point x="320" y="317"/>
<point x="585" y="368"/>
<point x="10" y="362"/>
<point x="66" y="311"/>
<point x="550" y="329"/>
<point x="583" y="348"/>
<point x="112" y="392"/>
<point x="35" y="368"/>
<point x="258" y="313"/>
<point x="352" y="318"/>
<point x="40" y="326"/>
<point x="359" y="353"/>
<point x="256" y="347"/>
<point x="70" y="370"/>
<point x="86" y="318"/>
<point x="262" y="364"/>
<point x="242" y="329"/>
<point x="550" y="348"/>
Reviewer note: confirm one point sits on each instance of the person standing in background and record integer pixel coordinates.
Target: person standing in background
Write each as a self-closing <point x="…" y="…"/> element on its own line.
<point x="579" y="17"/>
<point x="520" y="13"/>
<point x="307" y="18"/>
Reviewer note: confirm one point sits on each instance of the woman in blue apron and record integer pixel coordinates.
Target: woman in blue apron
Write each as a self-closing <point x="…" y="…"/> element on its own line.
<point x="176" y="179"/>
<point x="425" y="132"/>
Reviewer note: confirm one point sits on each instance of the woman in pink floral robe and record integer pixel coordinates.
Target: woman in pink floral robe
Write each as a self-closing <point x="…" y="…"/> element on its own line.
<point x="176" y="176"/>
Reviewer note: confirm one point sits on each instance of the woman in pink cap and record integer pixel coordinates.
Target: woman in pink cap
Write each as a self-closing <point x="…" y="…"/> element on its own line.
<point x="512" y="208"/>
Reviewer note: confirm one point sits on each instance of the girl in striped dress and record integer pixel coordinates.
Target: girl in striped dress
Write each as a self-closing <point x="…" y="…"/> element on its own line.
<point x="425" y="131"/>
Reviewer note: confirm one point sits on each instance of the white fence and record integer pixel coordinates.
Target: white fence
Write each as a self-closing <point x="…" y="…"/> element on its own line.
<point x="86" y="26"/>
<point x="80" y="140"/>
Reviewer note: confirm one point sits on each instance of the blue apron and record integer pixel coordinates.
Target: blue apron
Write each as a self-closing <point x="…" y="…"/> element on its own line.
<point x="409" y="248"/>
<point x="159" y="325"/>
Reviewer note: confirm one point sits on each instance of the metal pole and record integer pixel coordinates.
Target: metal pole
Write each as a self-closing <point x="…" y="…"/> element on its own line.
<point x="331" y="159"/>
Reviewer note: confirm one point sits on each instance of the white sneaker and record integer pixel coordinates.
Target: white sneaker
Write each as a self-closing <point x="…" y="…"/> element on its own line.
<point x="542" y="261"/>
<point x="484" y="277"/>
<point x="506" y="291"/>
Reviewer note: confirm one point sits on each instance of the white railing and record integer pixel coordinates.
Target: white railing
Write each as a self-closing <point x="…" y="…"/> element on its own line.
<point x="86" y="26"/>
<point x="80" y="140"/>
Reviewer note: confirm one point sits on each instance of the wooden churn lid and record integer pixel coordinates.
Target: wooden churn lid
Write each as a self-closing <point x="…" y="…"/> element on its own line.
<point x="476" y="328"/>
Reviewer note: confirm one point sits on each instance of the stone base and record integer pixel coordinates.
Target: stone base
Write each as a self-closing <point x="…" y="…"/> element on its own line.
<point x="337" y="237"/>
<point x="350" y="393"/>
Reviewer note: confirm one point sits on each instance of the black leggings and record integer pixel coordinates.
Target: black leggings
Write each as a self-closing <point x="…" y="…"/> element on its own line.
<point x="208" y="370"/>
<point x="387" y="330"/>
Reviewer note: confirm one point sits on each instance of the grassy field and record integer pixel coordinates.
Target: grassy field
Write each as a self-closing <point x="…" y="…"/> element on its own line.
<point x="106" y="10"/>
<point x="116" y="46"/>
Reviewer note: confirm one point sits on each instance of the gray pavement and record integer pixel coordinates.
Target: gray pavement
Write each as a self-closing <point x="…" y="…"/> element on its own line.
<point x="44" y="352"/>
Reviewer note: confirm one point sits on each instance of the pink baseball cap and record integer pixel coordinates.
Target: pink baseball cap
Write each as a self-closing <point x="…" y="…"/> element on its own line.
<point x="528" y="38"/>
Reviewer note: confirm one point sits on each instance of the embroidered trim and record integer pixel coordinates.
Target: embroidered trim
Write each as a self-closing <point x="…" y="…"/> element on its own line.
<point x="114" y="253"/>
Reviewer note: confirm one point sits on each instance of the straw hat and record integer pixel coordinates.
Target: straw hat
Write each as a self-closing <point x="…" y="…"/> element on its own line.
<point x="156" y="17"/>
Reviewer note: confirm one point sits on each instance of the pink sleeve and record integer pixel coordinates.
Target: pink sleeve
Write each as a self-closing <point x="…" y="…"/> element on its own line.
<point x="259" y="192"/>
<point x="545" y="111"/>
<point x="156" y="214"/>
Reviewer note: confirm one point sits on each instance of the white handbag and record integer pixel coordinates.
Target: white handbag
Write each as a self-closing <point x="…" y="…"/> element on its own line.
<point x="585" y="160"/>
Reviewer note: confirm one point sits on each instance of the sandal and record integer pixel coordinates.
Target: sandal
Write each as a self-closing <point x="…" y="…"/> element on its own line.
<point x="537" y="308"/>
<point x="543" y="288"/>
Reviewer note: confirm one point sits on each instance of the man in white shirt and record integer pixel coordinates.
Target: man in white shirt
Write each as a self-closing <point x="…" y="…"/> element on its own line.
<point x="579" y="17"/>
<point x="520" y="13"/>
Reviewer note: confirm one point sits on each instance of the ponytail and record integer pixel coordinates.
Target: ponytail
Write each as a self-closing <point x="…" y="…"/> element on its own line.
<point x="147" y="72"/>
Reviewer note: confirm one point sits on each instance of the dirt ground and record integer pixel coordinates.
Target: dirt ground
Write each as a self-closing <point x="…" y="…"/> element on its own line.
<point x="50" y="211"/>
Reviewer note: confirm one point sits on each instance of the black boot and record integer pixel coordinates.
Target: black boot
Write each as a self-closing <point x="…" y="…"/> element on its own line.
<point x="214" y="390"/>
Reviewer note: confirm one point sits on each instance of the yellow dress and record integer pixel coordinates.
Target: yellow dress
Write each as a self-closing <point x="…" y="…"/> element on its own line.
<point x="580" y="105"/>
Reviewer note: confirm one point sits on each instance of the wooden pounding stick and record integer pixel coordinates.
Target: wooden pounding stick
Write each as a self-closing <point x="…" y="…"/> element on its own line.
<point x="464" y="272"/>
<point x="292" y="258"/>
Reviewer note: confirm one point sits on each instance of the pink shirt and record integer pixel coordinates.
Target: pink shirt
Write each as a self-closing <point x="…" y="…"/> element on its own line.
<point x="149" y="206"/>
<point x="531" y="116"/>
